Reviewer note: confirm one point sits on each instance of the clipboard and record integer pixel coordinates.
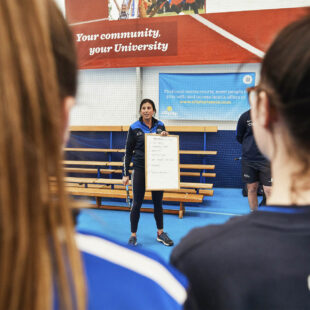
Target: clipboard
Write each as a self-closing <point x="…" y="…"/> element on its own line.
<point x="162" y="162"/>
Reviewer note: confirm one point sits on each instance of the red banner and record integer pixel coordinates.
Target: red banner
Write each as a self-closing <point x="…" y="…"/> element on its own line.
<point x="81" y="10"/>
<point x="234" y="37"/>
<point x="122" y="44"/>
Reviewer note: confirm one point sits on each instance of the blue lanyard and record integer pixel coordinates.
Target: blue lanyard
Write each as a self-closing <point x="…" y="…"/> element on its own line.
<point x="287" y="210"/>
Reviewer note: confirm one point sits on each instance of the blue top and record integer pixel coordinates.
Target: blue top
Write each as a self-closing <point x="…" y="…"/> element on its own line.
<point x="285" y="209"/>
<point x="122" y="277"/>
<point x="250" y="151"/>
<point x="135" y="142"/>
<point x="139" y="124"/>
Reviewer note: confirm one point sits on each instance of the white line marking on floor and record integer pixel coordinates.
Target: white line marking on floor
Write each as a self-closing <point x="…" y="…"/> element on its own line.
<point x="229" y="36"/>
<point x="212" y="212"/>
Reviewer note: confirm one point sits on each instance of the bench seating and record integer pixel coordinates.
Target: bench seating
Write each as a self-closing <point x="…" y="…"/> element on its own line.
<point x="196" y="186"/>
<point x="205" y="192"/>
<point x="95" y="150"/>
<point x="119" y="171"/>
<point x="119" y="182"/>
<point x="120" y="164"/>
<point x="125" y="128"/>
<point x="99" y="193"/>
<point x="112" y="188"/>
<point x="76" y="166"/>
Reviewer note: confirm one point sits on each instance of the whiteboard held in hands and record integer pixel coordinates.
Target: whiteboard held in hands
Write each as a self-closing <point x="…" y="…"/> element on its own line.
<point x="162" y="170"/>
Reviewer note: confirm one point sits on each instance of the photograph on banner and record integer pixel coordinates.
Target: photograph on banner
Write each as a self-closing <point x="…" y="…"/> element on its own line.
<point x="216" y="96"/>
<point x="127" y="9"/>
<point x="123" y="9"/>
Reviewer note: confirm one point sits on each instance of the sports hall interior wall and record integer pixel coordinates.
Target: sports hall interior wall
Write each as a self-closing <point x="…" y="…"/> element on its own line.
<point x="109" y="97"/>
<point x="112" y="96"/>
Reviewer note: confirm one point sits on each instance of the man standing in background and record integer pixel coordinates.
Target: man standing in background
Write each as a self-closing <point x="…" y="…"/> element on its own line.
<point x="255" y="167"/>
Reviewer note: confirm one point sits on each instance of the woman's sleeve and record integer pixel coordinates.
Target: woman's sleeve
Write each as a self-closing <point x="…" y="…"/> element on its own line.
<point x="161" y="126"/>
<point x="130" y="146"/>
<point x="241" y="128"/>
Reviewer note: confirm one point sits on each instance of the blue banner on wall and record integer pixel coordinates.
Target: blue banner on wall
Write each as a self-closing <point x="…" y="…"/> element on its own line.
<point x="220" y="96"/>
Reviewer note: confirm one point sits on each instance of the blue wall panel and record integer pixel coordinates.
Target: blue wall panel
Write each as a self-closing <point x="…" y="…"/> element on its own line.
<point x="228" y="170"/>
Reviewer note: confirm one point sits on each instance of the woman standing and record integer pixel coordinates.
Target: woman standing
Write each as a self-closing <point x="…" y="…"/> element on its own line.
<point x="135" y="145"/>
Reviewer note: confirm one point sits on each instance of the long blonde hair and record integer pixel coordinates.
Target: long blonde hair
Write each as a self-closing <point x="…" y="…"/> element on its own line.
<point x="39" y="261"/>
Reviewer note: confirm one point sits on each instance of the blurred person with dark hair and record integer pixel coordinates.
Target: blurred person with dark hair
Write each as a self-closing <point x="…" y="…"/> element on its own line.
<point x="262" y="260"/>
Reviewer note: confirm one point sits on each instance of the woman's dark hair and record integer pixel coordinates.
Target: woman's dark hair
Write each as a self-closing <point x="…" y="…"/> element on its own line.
<point x="285" y="75"/>
<point x="147" y="101"/>
<point x="64" y="52"/>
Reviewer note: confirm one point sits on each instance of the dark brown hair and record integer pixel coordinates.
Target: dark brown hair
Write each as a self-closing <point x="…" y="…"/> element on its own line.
<point x="285" y="75"/>
<point x="286" y="70"/>
<point x="151" y="102"/>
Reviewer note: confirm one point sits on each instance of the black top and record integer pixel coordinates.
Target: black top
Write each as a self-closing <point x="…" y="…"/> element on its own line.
<point x="135" y="143"/>
<point x="258" y="261"/>
<point x="245" y="136"/>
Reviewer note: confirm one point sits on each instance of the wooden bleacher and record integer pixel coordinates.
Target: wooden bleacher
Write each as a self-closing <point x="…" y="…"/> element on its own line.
<point x="87" y="181"/>
<point x="119" y="171"/>
<point x="99" y="164"/>
<point x="112" y="188"/>
<point x="99" y="193"/>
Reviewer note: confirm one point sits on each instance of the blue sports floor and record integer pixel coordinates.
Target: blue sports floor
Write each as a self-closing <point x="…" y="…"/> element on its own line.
<point x="215" y="210"/>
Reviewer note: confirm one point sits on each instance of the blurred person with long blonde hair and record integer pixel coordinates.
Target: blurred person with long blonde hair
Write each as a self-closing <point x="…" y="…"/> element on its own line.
<point x="44" y="264"/>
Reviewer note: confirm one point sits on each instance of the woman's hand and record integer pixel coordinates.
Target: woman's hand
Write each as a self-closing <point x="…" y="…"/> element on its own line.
<point x="164" y="133"/>
<point x="125" y="180"/>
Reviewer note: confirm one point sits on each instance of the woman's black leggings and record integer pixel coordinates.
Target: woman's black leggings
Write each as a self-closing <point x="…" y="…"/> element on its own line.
<point x="138" y="184"/>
